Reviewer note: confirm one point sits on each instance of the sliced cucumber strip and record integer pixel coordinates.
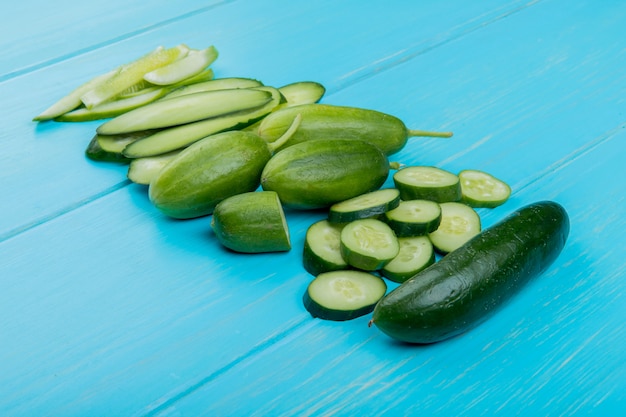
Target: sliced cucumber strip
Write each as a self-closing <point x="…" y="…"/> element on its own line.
<point x="143" y="170"/>
<point x="366" y="205"/>
<point x="213" y="85"/>
<point x="112" y="108"/>
<point x="132" y="73"/>
<point x="322" y="251"/>
<point x="368" y="244"/>
<point x="427" y="183"/>
<point x="343" y="295"/>
<point x="416" y="253"/>
<point x="459" y="223"/>
<point x="186" y="109"/>
<point x="251" y="222"/>
<point x="480" y="189"/>
<point x="95" y="152"/>
<point x="414" y="218"/>
<point x="205" y="75"/>
<point x="188" y="66"/>
<point x="303" y="92"/>
<point x="182" y="136"/>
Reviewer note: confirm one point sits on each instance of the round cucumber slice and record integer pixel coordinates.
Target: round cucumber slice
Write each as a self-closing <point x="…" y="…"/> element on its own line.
<point x="480" y="189"/>
<point x="459" y="223"/>
<point x="414" y="218"/>
<point x="322" y="248"/>
<point x="368" y="244"/>
<point x="416" y="253"/>
<point x="343" y="295"/>
<point x="427" y="183"/>
<point x="366" y="205"/>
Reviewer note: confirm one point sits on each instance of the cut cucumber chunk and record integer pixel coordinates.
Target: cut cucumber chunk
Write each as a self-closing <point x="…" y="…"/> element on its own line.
<point x="427" y="183"/>
<point x="213" y="85"/>
<point x="322" y="251"/>
<point x="186" y="109"/>
<point x="414" y="218"/>
<point x="343" y="295"/>
<point x="143" y="170"/>
<point x="368" y="244"/>
<point x="480" y="189"/>
<point x="112" y="108"/>
<point x="416" y="253"/>
<point x="459" y="223"/>
<point x="132" y="73"/>
<point x="188" y="66"/>
<point x="182" y="136"/>
<point x="303" y="92"/>
<point x="366" y="205"/>
<point x="251" y="222"/>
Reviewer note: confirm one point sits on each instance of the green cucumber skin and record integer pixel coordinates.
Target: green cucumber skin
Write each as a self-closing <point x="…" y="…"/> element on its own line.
<point x="324" y="121"/>
<point x="320" y="173"/>
<point x="324" y="313"/>
<point x="467" y="285"/>
<point x="209" y="171"/>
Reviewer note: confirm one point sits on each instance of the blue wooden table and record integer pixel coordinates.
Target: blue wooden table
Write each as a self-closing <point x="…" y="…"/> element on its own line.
<point x="107" y="308"/>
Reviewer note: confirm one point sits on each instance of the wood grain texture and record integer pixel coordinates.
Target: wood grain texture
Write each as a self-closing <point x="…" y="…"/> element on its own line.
<point x="109" y="308"/>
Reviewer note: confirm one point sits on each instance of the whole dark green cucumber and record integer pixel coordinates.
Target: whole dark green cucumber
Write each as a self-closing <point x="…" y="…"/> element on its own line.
<point x="319" y="173"/>
<point x="325" y="121"/>
<point x="467" y="285"/>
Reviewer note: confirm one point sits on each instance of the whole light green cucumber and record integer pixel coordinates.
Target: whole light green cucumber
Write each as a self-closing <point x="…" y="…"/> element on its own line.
<point x="325" y="121"/>
<point x="322" y="172"/>
<point x="470" y="283"/>
<point x="209" y="171"/>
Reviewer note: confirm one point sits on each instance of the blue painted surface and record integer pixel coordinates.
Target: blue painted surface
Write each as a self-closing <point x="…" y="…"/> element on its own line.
<point x="108" y="308"/>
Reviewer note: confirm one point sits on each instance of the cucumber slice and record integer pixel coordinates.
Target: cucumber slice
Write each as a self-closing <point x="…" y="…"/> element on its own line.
<point x="366" y="205"/>
<point x="143" y="170"/>
<point x="186" y="109"/>
<point x="427" y="183"/>
<point x="343" y="295"/>
<point x="251" y="222"/>
<point x="322" y="251"/>
<point x="303" y="92"/>
<point x="416" y="253"/>
<point x="414" y="218"/>
<point x="459" y="223"/>
<point x="95" y="152"/>
<point x="109" y="148"/>
<point x="112" y="108"/>
<point x="205" y="75"/>
<point x="182" y="136"/>
<point x="213" y="85"/>
<point x="368" y="244"/>
<point x="480" y="189"/>
<point x="188" y="66"/>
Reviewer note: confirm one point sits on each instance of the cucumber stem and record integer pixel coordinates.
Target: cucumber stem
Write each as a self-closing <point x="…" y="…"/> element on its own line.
<point x="287" y="135"/>
<point x="428" y="133"/>
<point x="395" y="165"/>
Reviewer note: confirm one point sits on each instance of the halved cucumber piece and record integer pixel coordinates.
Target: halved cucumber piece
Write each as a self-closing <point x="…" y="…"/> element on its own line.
<point x="322" y="251"/>
<point x="427" y="183"/>
<point x="368" y="244"/>
<point x="459" y="223"/>
<point x="416" y="253"/>
<point x="251" y="222"/>
<point x="132" y="73"/>
<point x="188" y="66"/>
<point x="178" y="137"/>
<point x="143" y="170"/>
<point x="480" y="189"/>
<point x="414" y="218"/>
<point x="343" y="295"/>
<point x="303" y="92"/>
<point x="215" y="84"/>
<point x="186" y="109"/>
<point x="366" y="205"/>
<point x="112" y="108"/>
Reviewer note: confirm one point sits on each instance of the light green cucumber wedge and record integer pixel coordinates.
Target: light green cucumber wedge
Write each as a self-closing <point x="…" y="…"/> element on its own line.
<point x="144" y="170"/>
<point x="188" y="66"/>
<point x="108" y="148"/>
<point x="215" y="84"/>
<point x="186" y="109"/>
<point x="252" y="222"/>
<point x="303" y="92"/>
<point x="178" y="137"/>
